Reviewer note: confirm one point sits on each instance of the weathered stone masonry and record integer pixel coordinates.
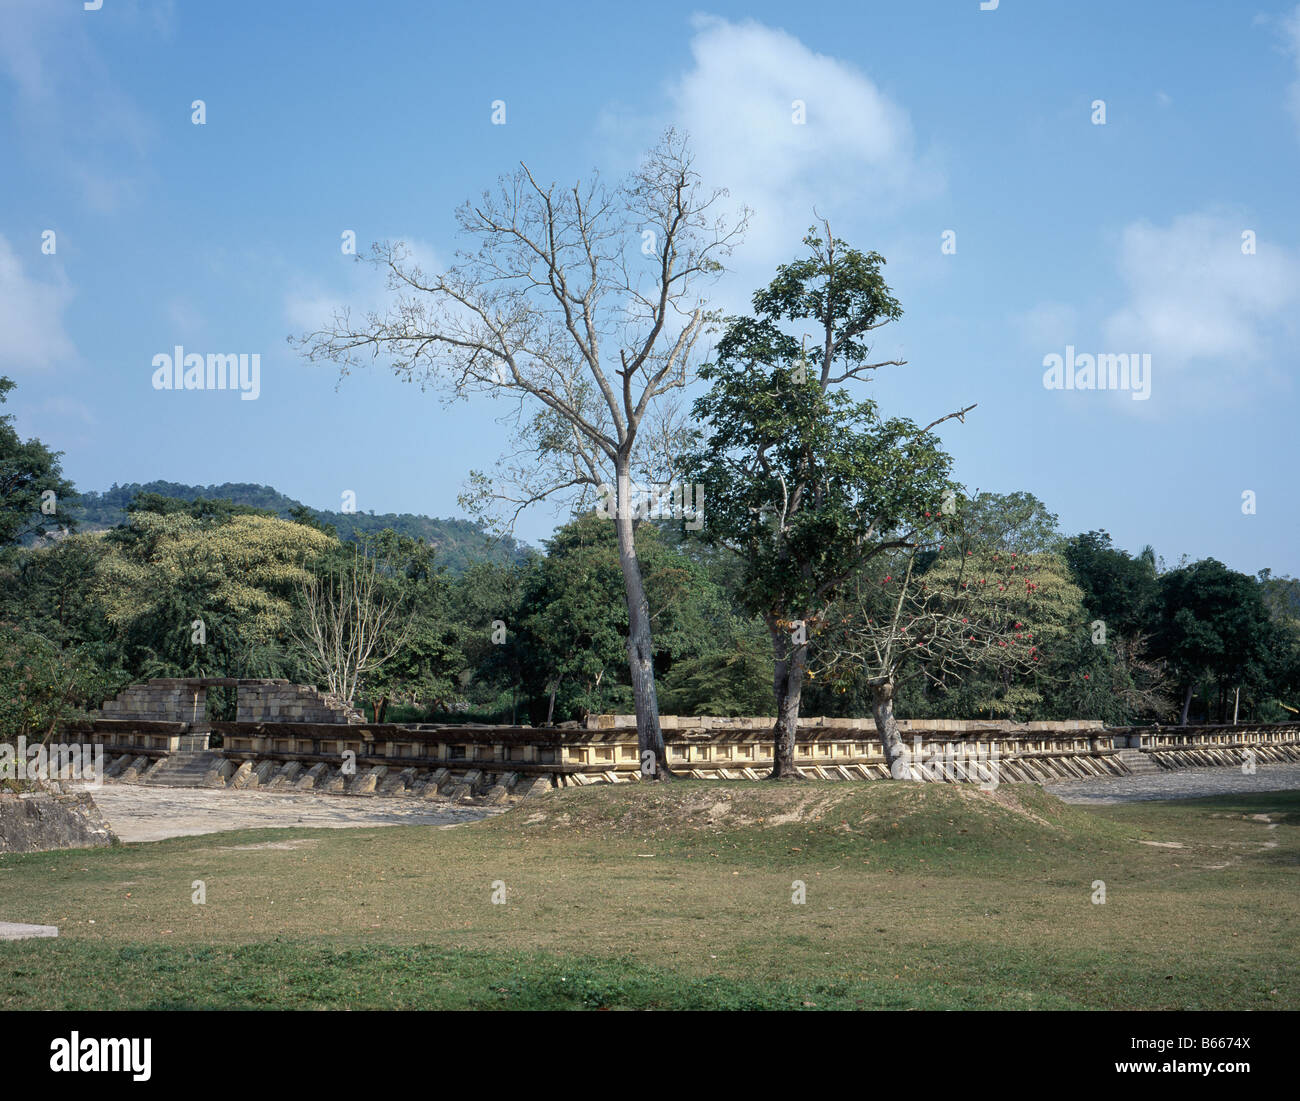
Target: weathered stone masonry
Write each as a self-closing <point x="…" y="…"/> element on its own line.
<point x="291" y="738"/>
<point x="258" y="701"/>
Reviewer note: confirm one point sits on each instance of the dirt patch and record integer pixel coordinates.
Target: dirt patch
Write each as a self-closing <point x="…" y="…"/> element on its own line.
<point x="141" y="812"/>
<point x="300" y="843"/>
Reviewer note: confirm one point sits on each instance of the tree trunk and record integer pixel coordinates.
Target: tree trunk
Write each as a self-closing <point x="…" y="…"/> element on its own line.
<point x="550" y="704"/>
<point x="1236" y="705"/>
<point x="897" y="757"/>
<point x="640" y="645"/>
<point x="790" y="659"/>
<point x="1187" y="705"/>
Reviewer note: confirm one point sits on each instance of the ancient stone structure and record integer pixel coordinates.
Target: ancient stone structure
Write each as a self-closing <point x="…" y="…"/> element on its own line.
<point x="257" y="701"/>
<point x="162" y="700"/>
<point x="36" y="821"/>
<point x="287" y="737"/>
<point x="276" y="701"/>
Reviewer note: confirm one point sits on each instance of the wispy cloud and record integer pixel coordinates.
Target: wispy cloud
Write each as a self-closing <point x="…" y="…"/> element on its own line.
<point x="313" y="299"/>
<point x="1196" y="299"/>
<point x="32" y="336"/>
<point x="785" y="128"/>
<point x="68" y="104"/>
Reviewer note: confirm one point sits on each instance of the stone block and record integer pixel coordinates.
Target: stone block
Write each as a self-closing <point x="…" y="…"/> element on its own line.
<point x="10" y="930"/>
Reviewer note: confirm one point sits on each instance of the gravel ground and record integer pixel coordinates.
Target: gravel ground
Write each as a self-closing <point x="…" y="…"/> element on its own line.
<point x="1187" y="783"/>
<point x="142" y="812"/>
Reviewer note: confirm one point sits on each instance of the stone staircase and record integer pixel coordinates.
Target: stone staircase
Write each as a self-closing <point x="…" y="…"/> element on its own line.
<point x="183" y="770"/>
<point x="1137" y="762"/>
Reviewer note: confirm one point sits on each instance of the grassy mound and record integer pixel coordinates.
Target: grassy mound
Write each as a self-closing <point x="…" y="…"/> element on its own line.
<point x="896" y="823"/>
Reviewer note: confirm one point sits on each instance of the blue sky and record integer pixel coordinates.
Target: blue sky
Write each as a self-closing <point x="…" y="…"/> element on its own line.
<point x="922" y="118"/>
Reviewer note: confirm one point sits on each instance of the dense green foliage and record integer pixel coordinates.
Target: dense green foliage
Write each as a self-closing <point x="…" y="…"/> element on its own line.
<point x="514" y="635"/>
<point x="34" y="495"/>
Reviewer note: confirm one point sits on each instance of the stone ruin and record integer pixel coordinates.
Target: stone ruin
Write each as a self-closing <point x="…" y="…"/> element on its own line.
<point x="184" y="699"/>
<point x="291" y="737"/>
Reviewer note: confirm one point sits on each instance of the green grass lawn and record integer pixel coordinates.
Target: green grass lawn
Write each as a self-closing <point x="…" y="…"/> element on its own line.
<point x="679" y="896"/>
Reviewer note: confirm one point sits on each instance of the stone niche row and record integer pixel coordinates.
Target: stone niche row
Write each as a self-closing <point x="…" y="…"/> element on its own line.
<point x="461" y="786"/>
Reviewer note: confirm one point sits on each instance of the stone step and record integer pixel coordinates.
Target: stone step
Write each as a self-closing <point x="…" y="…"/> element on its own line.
<point x="1137" y="762"/>
<point x="183" y="770"/>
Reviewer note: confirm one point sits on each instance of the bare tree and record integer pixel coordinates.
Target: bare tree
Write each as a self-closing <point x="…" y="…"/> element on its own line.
<point x="583" y="304"/>
<point x="346" y="628"/>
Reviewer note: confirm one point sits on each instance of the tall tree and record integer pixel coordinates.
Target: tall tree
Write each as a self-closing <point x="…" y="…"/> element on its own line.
<point x="1119" y="589"/>
<point x="805" y="484"/>
<point x="1214" y="624"/>
<point x="583" y="303"/>
<point x="33" y="491"/>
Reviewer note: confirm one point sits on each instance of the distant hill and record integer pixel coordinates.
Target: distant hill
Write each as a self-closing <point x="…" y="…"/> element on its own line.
<point x="459" y="542"/>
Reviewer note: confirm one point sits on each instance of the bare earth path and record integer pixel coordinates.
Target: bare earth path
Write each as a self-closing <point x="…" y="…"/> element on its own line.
<point x="1184" y="784"/>
<point x="139" y="812"/>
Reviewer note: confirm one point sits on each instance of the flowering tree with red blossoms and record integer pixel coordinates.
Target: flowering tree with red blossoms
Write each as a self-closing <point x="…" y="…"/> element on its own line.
<point x="942" y="609"/>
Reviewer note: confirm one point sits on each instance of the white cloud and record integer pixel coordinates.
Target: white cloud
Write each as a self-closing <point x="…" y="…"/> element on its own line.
<point x="69" y="107"/>
<point x="1219" y="324"/>
<point x="32" y="336"/>
<point x="854" y="153"/>
<point x="1194" y="298"/>
<point x="359" y="287"/>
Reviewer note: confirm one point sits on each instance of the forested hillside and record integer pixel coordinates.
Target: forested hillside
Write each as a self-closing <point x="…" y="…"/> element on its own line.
<point x="459" y="542"/>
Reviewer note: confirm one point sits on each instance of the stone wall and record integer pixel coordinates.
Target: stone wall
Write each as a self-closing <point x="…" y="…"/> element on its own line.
<point x="352" y="756"/>
<point x="184" y="700"/>
<point x="399" y="759"/>
<point x="160" y="700"/>
<point x="279" y="701"/>
<point x="37" y="821"/>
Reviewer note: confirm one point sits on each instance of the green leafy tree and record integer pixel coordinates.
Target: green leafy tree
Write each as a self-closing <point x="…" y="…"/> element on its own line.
<point x="28" y="472"/>
<point x="1010" y="522"/>
<point x="734" y="679"/>
<point x="422" y="670"/>
<point x="487" y="607"/>
<point x="186" y="596"/>
<point x="1214" y="626"/>
<point x="1281" y="596"/>
<point x="1119" y="589"/>
<point x="43" y="686"/>
<point x="575" y="628"/>
<point x="804" y="484"/>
